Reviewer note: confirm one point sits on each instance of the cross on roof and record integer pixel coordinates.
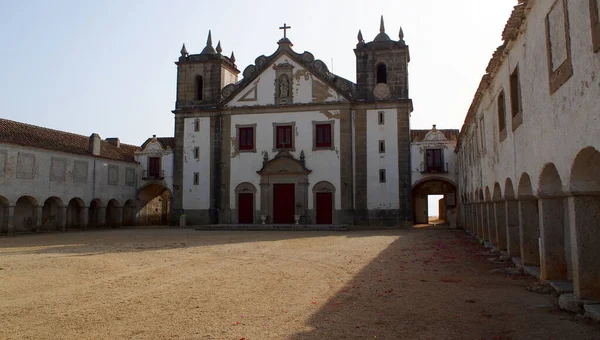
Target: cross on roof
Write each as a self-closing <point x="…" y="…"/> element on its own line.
<point x="285" y="28"/>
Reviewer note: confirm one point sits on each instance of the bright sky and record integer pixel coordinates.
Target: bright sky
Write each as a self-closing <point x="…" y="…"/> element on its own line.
<point x="107" y="66"/>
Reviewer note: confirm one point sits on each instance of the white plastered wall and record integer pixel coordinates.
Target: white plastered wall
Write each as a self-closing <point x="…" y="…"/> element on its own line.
<point x="196" y="197"/>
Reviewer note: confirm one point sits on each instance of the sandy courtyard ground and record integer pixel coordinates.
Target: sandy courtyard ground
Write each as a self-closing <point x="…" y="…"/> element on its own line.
<point x="186" y="284"/>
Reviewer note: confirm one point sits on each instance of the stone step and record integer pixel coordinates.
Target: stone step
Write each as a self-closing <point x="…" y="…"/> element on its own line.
<point x="281" y="227"/>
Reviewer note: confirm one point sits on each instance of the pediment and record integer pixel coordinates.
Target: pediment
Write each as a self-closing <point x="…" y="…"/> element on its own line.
<point x="283" y="164"/>
<point x="309" y="82"/>
<point x="153" y="146"/>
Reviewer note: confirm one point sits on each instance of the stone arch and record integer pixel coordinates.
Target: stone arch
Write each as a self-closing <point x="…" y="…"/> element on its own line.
<point x="129" y="211"/>
<point x="497" y="194"/>
<point x="584" y="222"/>
<point x="488" y="195"/>
<point x="549" y="182"/>
<point x="4" y="204"/>
<point x="585" y="173"/>
<point x="509" y="190"/>
<point x="524" y="190"/>
<point x="381" y="70"/>
<point x="52" y="214"/>
<point x="480" y="196"/>
<point x="75" y="214"/>
<point x="113" y="213"/>
<point x="95" y="213"/>
<point x="26" y="214"/>
<point x="432" y="185"/>
<point x="245" y="203"/>
<point x="155" y="204"/>
<point x="323" y="186"/>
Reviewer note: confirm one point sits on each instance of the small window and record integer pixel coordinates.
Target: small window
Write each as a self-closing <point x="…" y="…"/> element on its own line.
<point x="199" y="88"/>
<point x="196" y="152"/>
<point x="515" y="93"/>
<point x="501" y="112"/>
<point x="381" y="117"/>
<point x="382" y="176"/>
<point x="595" y="21"/>
<point x="283" y="137"/>
<point x="381" y="74"/>
<point x="196" y="178"/>
<point x="323" y="135"/>
<point x="381" y="146"/>
<point x="196" y="125"/>
<point x="246" y="138"/>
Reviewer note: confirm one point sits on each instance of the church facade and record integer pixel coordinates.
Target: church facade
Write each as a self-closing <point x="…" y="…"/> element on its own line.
<point x="292" y="142"/>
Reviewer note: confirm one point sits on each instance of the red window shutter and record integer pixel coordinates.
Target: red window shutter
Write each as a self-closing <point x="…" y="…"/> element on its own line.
<point x="246" y="138"/>
<point x="323" y="138"/>
<point x="283" y="137"/>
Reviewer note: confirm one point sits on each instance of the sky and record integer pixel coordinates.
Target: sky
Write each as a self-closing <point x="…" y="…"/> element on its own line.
<point x="108" y="66"/>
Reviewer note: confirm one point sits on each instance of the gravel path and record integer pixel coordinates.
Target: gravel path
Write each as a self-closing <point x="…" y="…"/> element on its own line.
<point x="186" y="284"/>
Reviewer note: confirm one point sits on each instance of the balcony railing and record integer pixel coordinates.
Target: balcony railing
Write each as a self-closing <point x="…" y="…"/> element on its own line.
<point x="442" y="169"/>
<point x="153" y="175"/>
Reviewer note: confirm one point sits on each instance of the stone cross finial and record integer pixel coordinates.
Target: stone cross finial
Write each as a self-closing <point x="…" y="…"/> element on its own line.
<point x="285" y="28"/>
<point x="219" y="49"/>
<point x="184" y="52"/>
<point x="381" y="26"/>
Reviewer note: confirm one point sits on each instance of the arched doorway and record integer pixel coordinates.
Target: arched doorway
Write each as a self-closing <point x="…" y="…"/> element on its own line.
<point x="26" y="214"/>
<point x="94" y="217"/>
<point x="75" y="213"/>
<point x="52" y="214"/>
<point x="246" y="203"/>
<point x="155" y="204"/>
<point x="113" y="213"/>
<point x="323" y="198"/>
<point x="433" y="186"/>
<point x="3" y="215"/>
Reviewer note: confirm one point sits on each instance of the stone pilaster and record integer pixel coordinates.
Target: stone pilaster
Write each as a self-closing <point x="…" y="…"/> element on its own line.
<point x="491" y="224"/>
<point x="500" y="217"/>
<point x="62" y="218"/>
<point x="513" y="241"/>
<point x="360" y="127"/>
<point x="552" y="233"/>
<point x="84" y="217"/>
<point x="528" y="230"/>
<point x="178" y="154"/>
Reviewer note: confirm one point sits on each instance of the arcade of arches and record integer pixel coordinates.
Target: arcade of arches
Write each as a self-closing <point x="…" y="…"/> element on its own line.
<point x="153" y="207"/>
<point x="554" y="231"/>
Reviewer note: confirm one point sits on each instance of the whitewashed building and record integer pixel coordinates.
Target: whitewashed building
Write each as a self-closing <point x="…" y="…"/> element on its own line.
<point x="292" y="142"/>
<point x="529" y="150"/>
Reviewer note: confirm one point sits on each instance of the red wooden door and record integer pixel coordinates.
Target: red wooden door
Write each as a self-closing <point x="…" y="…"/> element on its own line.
<point x="154" y="167"/>
<point x="324" y="208"/>
<point x="283" y="203"/>
<point x="245" y="208"/>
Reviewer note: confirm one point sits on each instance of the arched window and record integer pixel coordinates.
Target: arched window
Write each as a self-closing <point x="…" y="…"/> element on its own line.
<point x="381" y="73"/>
<point x="199" y="87"/>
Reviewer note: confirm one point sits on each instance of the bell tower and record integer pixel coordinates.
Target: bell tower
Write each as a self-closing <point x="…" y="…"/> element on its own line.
<point x="382" y="67"/>
<point x="201" y="77"/>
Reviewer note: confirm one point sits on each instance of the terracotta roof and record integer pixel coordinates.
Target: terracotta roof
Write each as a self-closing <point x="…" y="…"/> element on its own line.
<point x="165" y="142"/>
<point x="511" y="32"/>
<point x="419" y="135"/>
<point x="12" y="132"/>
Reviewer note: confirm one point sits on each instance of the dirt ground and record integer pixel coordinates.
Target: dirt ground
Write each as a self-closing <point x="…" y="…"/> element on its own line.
<point x="164" y="284"/>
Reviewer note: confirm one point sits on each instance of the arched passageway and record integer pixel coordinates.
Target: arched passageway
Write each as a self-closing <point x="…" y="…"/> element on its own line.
<point x="584" y="223"/>
<point x="26" y="214"/>
<point x="113" y="213"/>
<point x="155" y="205"/>
<point x="95" y="214"/>
<point x="513" y="241"/>
<point x="528" y="222"/>
<point x="52" y="214"/>
<point x="4" y="215"/>
<point x="129" y="212"/>
<point x="434" y="186"/>
<point x="76" y="217"/>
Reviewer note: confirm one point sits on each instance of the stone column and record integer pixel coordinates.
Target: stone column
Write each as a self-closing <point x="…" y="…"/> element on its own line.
<point x="37" y="218"/>
<point x="264" y="201"/>
<point x="513" y="239"/>
<point x="480" y="228"/>
<point x="528" y="229"/>
<point x="62" y="216"/>
<point x="119" y="217"/>
<point x="10" y="219"/>
<point x="584" y="221"/>
<point x="101" y="211"/>
<point x="500" y="215"/>
<point x="84" y="217"/>
<point x="473" y="217"/>
<point x="491" y="224"/>
<point x="552" y="232"/>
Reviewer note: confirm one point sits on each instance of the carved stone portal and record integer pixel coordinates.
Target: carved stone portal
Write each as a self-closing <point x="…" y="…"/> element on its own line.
<point x="284" y="169"/>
